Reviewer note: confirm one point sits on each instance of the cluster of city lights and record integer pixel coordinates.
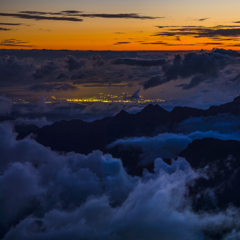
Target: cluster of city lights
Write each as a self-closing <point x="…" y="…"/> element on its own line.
<point x="20" y="101"/>
<point x="105" y="98"/>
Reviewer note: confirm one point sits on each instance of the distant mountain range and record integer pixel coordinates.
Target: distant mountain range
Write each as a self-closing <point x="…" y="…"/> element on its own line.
<point x="219" y="159"/>
<point x="84" y="137"/>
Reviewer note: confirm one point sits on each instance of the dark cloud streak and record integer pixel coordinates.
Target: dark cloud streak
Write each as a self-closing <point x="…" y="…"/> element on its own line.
<point x="118" y="15"/>
<point x="202" y="19"/>
<point x="139" y="62"/>
<point x="37" y="13"/>
<point x="11" y="24"/>
<point x="71" y="12"/>
<point x="212" y="43"/>
<point x="14" y="43"/>
<point x="166" y="44"/>
<point x="5" y="29"/>
<point x="119" y="43"/>
<point x="73" y="15"/>
<point x="39" y="17"/>
<point x="200" y="31"/>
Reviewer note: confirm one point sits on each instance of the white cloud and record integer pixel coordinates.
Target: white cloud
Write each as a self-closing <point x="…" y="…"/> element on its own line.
<point x="47" y="195"/>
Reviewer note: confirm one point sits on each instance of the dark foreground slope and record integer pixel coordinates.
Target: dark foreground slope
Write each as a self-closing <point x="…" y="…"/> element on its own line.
<point x="84" y="137"/>
<point x="220" y="162"/>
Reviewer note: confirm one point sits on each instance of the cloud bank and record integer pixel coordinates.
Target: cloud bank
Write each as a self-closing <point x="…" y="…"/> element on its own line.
<point x="200" y="66"/>
<point x="186" y="79"/>
<point x="52" y="196"/>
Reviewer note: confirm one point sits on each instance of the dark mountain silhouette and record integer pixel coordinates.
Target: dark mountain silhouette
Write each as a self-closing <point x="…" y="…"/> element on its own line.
<point x="219" y="160"/>
<point x="231" y="107"/>
<point x="200" y="153"/>
<point x="131" y="159"/>
<point x="5" y="118"/>
<point x="221" y="163"/>
<point x="80" y="136"/>
<point x="179" y="114"/>
<point x="25" y="130"/>
<point x="84" y="137"/>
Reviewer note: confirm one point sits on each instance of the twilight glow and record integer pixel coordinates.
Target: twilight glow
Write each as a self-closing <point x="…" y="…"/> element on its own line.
<point x="119" y="25"/>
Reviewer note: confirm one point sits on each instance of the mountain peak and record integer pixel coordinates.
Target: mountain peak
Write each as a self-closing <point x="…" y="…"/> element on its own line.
<point x="236" y="99"/>
<point x="153" y="108"/>
<point x="122" y="113"/>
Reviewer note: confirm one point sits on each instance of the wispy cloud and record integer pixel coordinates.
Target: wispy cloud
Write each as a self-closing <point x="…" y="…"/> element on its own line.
<point x="200" y="31"/>
<point x="71" y="12"/>
<point x="118" y="15"/>
<point x="10" y="24"/>
<point x="67" y="12"/>
<point x="139" y="62"/>
<point x="213" y="43"/>
<point x="224" y="39"/>
<point x="160" y="26"/>
<point x="41" y="17"/>
<point x="14" y="43"/>
<point x="38" y="13"/>
<point x="166" y="43"/>
<point x="202" y="19"/>
<point x="73" y="15"/>
<point x="119" y="43"/>
<point x="157" y="43"/>
<point x="5" y="29"/>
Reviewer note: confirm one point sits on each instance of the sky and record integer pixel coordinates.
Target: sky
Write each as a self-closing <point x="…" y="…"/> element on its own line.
<point x="119" y="25"/>
<point x="145" y="39"/>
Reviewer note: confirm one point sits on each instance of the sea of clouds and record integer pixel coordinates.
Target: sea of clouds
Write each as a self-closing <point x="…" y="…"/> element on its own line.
<point x="48" y="195"/>
<point x="193" y="78"/>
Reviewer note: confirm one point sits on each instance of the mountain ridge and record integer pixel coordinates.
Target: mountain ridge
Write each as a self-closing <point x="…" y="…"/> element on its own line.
<point x="218" y="159"/>
<point x="84" y="137"/>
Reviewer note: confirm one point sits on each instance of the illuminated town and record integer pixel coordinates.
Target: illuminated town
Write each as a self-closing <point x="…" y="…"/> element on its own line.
<point x="106" y="98"/>
<point x="20" y="101"/>
<point x="103" y="98"/>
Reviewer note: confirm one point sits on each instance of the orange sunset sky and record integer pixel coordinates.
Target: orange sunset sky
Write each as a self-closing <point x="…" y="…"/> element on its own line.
<point x="119" y="25"/>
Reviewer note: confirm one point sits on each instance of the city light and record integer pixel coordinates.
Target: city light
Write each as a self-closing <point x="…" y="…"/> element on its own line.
<point x="106" y="98"/>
